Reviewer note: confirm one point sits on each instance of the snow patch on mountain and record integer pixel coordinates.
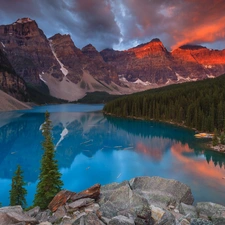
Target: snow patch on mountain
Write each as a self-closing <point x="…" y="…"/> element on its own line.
<point x="63" y="69"/>
<point x="210" y="76"/>
<point x="3" y="45"/>
<point x="41" y="78"/>
<point x="208" y="66"/>
<point x="63" y="134"/>
<point x="180" y="78"/>
<point x="23" y="20"/>
<point x="138" y="81"/>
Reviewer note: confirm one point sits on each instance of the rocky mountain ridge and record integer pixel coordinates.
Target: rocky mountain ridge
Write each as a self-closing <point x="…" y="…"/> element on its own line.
<point x="139" y="201"/>
<point x="70" y="72"/>
<point x="10" y="82"/>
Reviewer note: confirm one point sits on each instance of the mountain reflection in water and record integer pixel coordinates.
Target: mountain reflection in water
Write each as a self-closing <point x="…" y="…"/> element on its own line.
<point x="93" y="148"/>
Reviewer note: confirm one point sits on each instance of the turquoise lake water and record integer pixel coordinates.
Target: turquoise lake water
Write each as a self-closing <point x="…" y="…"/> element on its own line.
<point x="92" y="148"/>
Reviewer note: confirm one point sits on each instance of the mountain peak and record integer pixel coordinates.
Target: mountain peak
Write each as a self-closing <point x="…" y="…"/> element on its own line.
<point x="89" y="48"/>
<point x="156" y="40"/>
<point x="24" y="20"/>
<point x="155" y="46"/>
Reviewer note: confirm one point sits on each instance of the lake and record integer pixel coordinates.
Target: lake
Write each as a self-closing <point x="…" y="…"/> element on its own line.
<point x="93" y="148"/>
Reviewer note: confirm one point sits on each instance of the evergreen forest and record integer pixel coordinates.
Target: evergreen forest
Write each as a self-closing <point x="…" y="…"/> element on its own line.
<point x="199" y="105"/>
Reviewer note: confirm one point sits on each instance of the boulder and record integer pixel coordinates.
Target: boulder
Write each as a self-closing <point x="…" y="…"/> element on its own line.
<point x="89" y="219"/>
<point x="121" y="220"/>
<point x="45" y="223"/>
<point x="184" y="222"/>
<point x="161" y="216"/>
<point x="92" y="208"/>
<point x="92" y="192"/>
<point x="15" y="215"/>
<point x="188" y="210"/>
<point x="60" y="199"/>
<point x="122" y="200"/>
<point x="33" y="212"/>
<point x="162" y="192"/>
<point x="200" y="221"/>
<point x="212" y="211"/>
<point x="43" y="216"/>
<point x="81" y="203"/>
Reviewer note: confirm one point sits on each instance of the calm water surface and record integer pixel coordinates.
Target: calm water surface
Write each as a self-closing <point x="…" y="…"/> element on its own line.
<point x="91" y="148"/>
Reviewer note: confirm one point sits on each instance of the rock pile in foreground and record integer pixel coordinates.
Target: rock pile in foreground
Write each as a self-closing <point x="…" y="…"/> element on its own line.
<point x="139" y="201"/>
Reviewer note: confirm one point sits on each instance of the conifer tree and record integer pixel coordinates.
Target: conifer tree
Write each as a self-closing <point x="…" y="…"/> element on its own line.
<point x="18" y="192"/>
<point x="222" y="139"/>
<point x="50" y="182"/>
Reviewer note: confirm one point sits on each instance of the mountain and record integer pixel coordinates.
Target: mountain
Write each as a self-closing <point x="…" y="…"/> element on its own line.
<point x="151" y="63"/>
<point x="9" y="103"/>
<point x="57" y="67"/>
<point x="10" y="82"/>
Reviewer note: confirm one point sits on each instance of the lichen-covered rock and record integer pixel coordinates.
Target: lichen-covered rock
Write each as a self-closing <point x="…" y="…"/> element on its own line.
<point x="162" y="192"/>
<point x="200" y="221"/>
<point x="188" y="210"/>
<point x="122" y="199"/>
<point x="212" y="211"/>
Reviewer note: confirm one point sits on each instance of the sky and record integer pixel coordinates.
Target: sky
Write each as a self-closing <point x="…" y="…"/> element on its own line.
<point x="123" y="24"/>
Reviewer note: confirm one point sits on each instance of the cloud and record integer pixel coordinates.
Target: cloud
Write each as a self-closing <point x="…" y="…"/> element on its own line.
<point x="124" y="23"/>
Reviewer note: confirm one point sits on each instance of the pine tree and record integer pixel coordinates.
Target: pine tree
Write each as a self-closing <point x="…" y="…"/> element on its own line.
<point x="222" y="139"/>
<point x="50" y="182"/>
<point x="18" y="192"/>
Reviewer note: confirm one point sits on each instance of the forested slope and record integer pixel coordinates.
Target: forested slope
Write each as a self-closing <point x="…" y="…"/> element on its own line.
<point x="199" y="105"/>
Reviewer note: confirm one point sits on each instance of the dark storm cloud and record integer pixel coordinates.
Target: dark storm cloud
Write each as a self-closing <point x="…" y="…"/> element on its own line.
<point x="125" y="23"/>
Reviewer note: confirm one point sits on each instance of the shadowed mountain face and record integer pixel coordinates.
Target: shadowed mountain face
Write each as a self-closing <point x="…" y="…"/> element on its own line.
<point x="70" y="72"/>
<point x="9" y="81"/>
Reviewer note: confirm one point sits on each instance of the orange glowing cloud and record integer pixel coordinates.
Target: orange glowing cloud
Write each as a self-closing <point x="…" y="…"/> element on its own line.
<point x="205" y="33"/>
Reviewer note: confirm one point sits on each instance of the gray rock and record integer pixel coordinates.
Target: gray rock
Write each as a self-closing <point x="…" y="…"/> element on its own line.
<point x="89" y="219"/>
<point x="188" y="210"/>
<point x="60" y="212"/>
<point x="143" y="216"/>
<point x="10" y="217"/>
<point x="162" y="192"/>
<point x="17" y="209"/>
<point x="200" y="221"/>
<point x="33" y="212"/>
<point x="122" y="198"/>
<point x="80" y="203"/>
<point x="121" y="220"/>
<point x="108" y="189"/>
<point x="108" y="210"/>
<point x="15" y="215"/>
<point x="105" y="220"/>
<point x="43" y="216"/>
<point x="184" y="222"/>
<point x="92" y="208"/>
<point x="45" y="223"/>
<point x="212" y="211"/>
<point x="162" y="216"/>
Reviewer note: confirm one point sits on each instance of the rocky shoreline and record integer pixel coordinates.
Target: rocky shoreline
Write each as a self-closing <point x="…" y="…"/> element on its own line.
<point x="139" y="201"/>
